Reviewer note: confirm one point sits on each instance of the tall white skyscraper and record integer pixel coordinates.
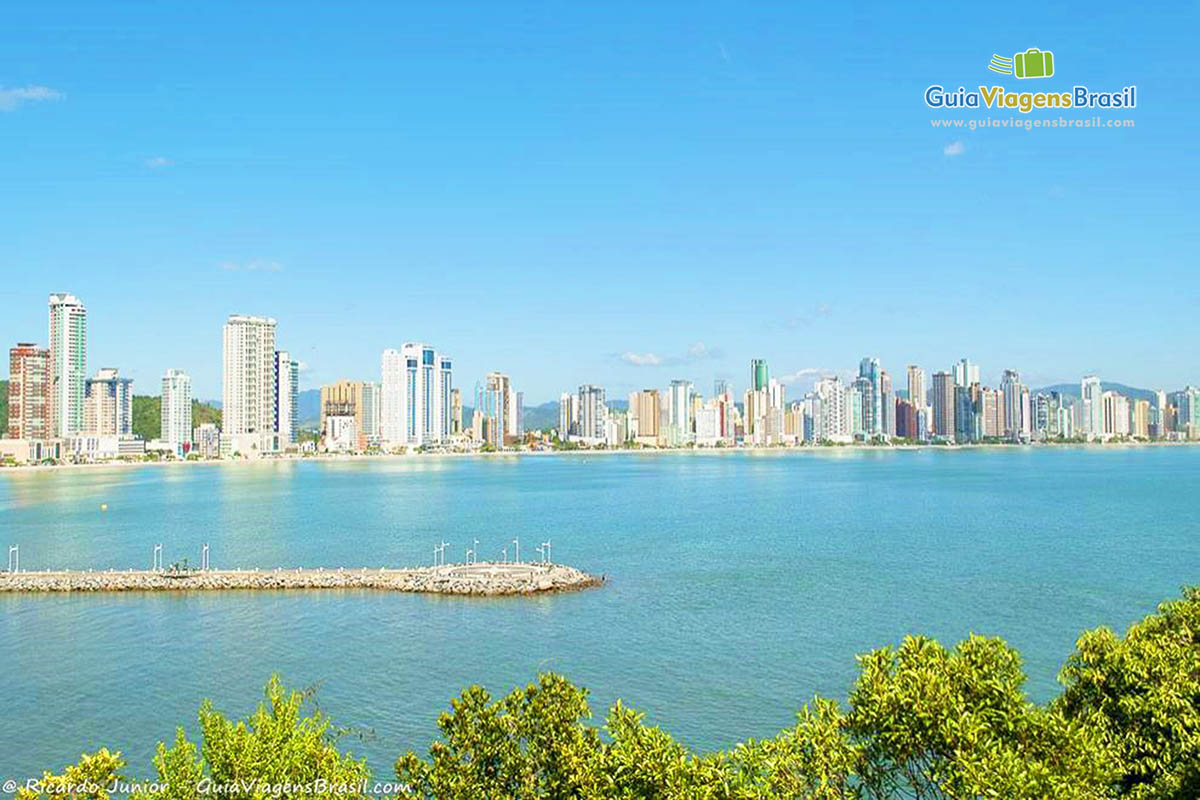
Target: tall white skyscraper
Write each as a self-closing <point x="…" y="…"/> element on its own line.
<point x="248" y="384"/>
<point x="287" y="386"/>
<point x="679" y="412"/>
<point x="1093" y="407"/>
<point x="177" y="409"/>
<point x="965" y="373"/>
<point x="415" y="391"/>
<point x="68" y="363"/>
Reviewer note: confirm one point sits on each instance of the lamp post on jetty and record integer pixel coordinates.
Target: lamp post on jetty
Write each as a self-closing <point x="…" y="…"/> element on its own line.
<point x="204" y="558"/>
<point x="504" y="553"/>
<point x="475" y="551"/>
<point x="517" y="543"/>
<point x="14" y="558"/>
<point x="156" y="565"/>
<point x="546" y="552"/>
<point x="444" y="546"/>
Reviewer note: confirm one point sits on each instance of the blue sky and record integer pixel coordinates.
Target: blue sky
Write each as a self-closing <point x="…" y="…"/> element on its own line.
<point x="614" y="193"/>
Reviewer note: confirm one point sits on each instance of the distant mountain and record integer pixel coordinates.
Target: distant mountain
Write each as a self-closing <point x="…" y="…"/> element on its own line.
<point x="308" y="408"/>
<point x="1073" y="390"/>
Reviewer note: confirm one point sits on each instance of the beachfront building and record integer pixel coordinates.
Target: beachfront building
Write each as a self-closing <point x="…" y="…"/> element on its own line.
<point x="287" y="390"/>
<point x="943" y="405"/>
<point x="415" y="405"/>
<point x="249" y="397"/>
<point x="68" y="363"/>
<point x="29" y="392"/>
<point x="206" y="440"/>
<point x="592" y="415"/>
<point x="498" y="413"/>
<point x="371" y="431"/>
<point x="1093" y="407"/>
<point x="176" y="413"/>
<point x="644" y="415"/>
<point x="344" y="399"/>
<point x="108" y="404"/>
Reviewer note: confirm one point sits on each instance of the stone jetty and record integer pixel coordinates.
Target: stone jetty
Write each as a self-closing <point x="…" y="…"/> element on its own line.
<point x="482" y="579"/>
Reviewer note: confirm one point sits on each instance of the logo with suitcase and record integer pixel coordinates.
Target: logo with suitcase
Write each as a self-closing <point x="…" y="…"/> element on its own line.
<point x="1033" y="63"/>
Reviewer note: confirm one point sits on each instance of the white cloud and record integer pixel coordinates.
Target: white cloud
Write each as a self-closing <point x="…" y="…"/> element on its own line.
<point x="696" y="352"/>
<point x="641" y="359"/>
<point x="801" y="374"/>
<point x="256" y="265"/>
<point x="159" y="162"/>
<point x="954" y="148"/>
<point x="10" y="99"/>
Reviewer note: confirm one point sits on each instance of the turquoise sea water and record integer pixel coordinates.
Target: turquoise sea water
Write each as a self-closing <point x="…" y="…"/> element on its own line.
<point x="740" y="583"/>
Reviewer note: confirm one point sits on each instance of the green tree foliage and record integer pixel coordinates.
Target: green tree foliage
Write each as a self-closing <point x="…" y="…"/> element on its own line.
<point x="922" y="721"/>
<point x="147" y="415"/>
<point x="3" y="408"/>
<point x="90" y="779"/>
<point x="277" y="745"/>
<point x="1142" y="693"/>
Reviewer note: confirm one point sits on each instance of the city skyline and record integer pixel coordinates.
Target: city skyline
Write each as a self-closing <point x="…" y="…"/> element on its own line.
<point x="618" y="194"/>
<point x="666" y="371"/>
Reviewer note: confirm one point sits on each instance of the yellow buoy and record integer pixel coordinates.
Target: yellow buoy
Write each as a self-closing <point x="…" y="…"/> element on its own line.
<point x="104" y="506"/>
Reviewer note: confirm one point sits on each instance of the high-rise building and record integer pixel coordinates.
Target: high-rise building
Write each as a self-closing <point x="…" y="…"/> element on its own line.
<point x="888" y="403"/>
<point x="871" y="389"/>
<point x="644" y="409"/>
<point x="108" y="404"/>
<point x="991" y="407"/>
<point x="1187" y="412"/>
<point x="568" y="415"/>
<point x="415" y="402"/>
<point x="965" y="373"/>
<point x="1093" y="408"/>
<point x="1017" y="408"/>
<point x="287" y="389"/>
<point x="345" y="399"/>
<point x="758" y="374"/>
<point x="679" y="412"/>
<point x="500" y="408"/>
<point x="176" y="412"/>
<point x="943" y="404"/>
<point x="68" y="363"/>
<point x="592" y="413"/>
<point x="29" y="392"/>
<point x="248" y="385"/>
<point x="916" y="386"/>
<point x="1158" y="415"/>
<point x="371" y="420"/>
<point x="456" y="412"/>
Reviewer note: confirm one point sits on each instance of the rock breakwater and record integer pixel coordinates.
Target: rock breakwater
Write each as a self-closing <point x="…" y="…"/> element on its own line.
<point x="483" y="579"/>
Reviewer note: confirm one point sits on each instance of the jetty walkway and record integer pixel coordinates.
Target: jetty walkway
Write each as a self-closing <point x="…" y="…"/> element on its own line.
<point x="483" y="579"/>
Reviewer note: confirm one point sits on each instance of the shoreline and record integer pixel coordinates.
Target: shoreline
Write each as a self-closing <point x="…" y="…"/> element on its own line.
<point x="655" y="451"/>
<point x="483" y="579"/>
